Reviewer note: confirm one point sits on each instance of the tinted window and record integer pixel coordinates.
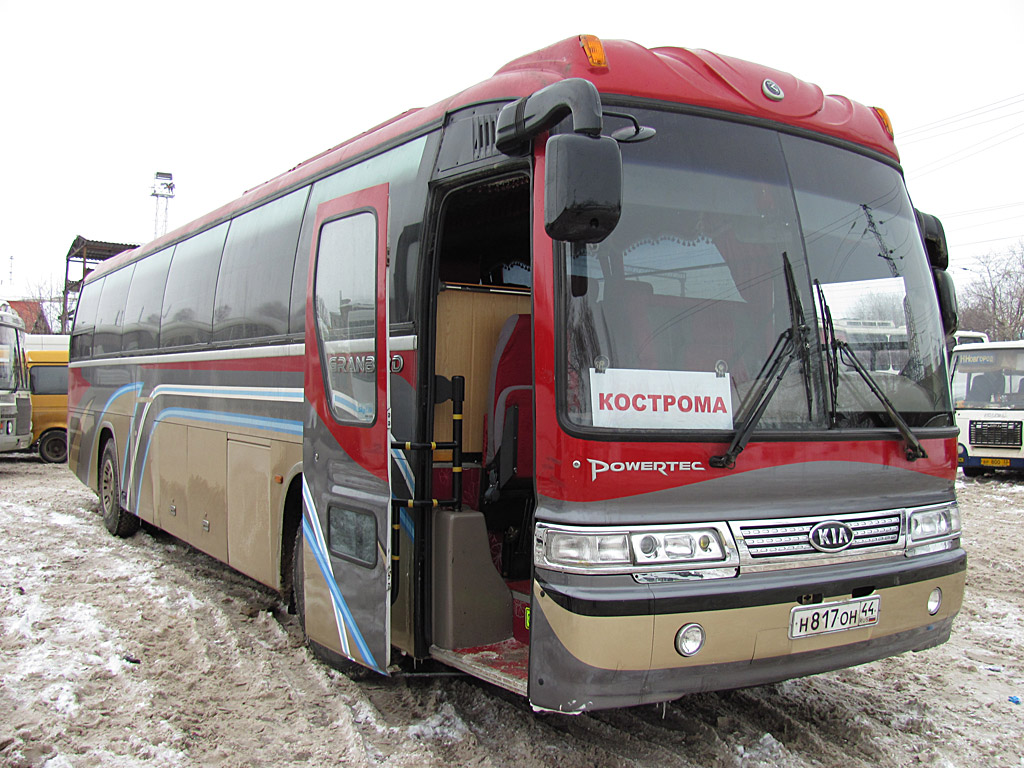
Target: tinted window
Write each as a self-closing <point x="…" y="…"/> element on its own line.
<point x="145" y="297"/>
<point x="397" y="166"/>
<point x="256" y="270"/>
<point x="346" y="315"/>
<point x="187" y="315"/>
<point x="85" y="319"/>
<point x="49" y="379"/>
<point x="110" y="314"/>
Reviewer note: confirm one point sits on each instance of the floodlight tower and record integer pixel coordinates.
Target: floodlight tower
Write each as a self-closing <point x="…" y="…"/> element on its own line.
<point x="163" y="191"/>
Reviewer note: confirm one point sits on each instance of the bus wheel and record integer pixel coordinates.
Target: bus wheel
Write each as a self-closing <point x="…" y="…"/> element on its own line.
<point x="973" y="471"/>
<point x="118" y="521"/>
<point x="298" y="583"/>
<point x="53" y="447"/>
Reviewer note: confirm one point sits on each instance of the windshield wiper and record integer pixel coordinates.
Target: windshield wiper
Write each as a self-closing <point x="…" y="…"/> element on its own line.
<point x="791" y="343"/>
<point x="836" y="347"/>
<point x="832" y="358"/>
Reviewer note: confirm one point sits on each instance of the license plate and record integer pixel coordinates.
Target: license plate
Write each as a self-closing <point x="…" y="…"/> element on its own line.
<point x="824" y="618"/>
<point x="995" y="462"/>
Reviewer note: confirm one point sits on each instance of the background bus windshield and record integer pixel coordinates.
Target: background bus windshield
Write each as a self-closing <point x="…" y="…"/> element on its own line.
<point x="989" y="378"/>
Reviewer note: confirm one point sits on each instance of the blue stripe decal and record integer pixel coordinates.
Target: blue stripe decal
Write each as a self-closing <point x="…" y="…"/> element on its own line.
<point x="287" y="426"/>
<point x="322" y="560"/>
<point x="265" y="423"/>
<point x="231" y="392"/>
<point x="133" y="387"/>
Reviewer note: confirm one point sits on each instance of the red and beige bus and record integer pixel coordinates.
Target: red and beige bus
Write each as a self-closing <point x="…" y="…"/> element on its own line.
<point x="542" y="382"/>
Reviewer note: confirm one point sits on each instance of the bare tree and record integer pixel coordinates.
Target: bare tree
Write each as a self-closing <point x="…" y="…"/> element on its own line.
<point x="994" y="301"/>
<point x="881" y="306"/>
<point x="50" y="298"/>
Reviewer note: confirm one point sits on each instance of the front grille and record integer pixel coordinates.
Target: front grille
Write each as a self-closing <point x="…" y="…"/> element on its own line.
<point x="790" y="538"/>
<point x="998" y="434"/>
<point x="24" y="425"/>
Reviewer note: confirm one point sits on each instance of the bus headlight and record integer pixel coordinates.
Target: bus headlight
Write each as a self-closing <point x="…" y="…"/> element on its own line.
<point x="696" y="545"/>
<point x="583" y="549"/>
<point x="639" y="549"/>
<point x="934" y="522"/>
<point x="933" y="529"/>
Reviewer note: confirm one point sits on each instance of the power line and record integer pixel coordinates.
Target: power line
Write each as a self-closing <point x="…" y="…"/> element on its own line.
<point x="974" y="211"/>
<point x="952" y="157"/>
<point x="990" y="223"/>
<point x="904" y="142"/>
<point x="985" y="108"/>
<point x="993" y="240"/>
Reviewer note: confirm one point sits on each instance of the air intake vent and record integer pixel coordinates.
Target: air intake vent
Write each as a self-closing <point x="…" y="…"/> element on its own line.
<point x="997" y="434"/>
<point x="484" y="133"/>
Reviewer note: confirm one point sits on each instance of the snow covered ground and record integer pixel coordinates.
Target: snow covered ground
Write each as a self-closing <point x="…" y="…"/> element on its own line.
<point x="145" y="652"/>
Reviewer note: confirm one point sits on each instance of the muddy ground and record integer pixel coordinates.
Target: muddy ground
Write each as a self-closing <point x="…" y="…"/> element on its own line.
<point x="145" y="652"/>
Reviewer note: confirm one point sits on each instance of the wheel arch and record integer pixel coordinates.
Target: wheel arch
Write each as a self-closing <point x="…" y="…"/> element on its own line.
<point x="291" y="519"/>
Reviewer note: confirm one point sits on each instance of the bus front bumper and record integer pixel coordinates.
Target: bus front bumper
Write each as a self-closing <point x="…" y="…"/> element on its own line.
<point x="595" y="648"/>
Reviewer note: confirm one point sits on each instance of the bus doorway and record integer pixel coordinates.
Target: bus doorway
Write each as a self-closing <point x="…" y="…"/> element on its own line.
<point x="481" y="553"/>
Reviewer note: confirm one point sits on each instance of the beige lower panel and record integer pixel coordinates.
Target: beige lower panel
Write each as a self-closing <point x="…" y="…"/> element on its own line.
<point x="250" y="526"/>
<point x="207" y="491"/>
<point x="743" y="634"/>
<point x="606" y="642"/>
<point x="321" y="625"/>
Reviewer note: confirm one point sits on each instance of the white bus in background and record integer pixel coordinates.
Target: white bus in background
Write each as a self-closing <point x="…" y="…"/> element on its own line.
<point x="971" y="337"/>
<point x="881" y="345"/>
<point x="988" y="393"/>
<point x="15" y="406"/>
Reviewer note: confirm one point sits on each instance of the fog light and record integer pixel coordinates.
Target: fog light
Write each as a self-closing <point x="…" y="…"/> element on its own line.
<point x="690" y="639"/>
<point x="934" y="601"/>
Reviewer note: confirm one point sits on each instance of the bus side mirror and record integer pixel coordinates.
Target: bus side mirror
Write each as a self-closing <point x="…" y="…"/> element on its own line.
<point x="582" y="187"/>
<point x="934" y="237"/>
<point x="946" y="292"/>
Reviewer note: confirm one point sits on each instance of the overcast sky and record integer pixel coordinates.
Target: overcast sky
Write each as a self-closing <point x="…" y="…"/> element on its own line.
<point x="95" y="97"/>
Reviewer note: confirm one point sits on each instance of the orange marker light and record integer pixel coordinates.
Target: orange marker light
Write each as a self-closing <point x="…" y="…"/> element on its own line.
<point x="594" y="48"/>
<point x="883" y="116"/>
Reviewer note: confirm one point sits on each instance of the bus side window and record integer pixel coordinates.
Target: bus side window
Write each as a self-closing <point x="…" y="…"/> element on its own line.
<point x="256" y="270"/>
<point x="145" y="300"/>
<point x="110" y="314"/>
<point x="187" y="315"/>
<point x="85" y="319"/>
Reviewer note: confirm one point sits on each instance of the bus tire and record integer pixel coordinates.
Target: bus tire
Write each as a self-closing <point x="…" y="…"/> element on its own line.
<point x="298" y="583"/>
<point x="973" y="471"/>
<point x="118" y="521"/>
<point x="53" y="446"/>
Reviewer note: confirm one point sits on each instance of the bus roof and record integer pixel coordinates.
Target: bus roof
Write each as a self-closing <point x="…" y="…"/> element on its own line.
<point x="696" y="78"/>
<point x="981" y="346"/>
<point x="46" y="341"/>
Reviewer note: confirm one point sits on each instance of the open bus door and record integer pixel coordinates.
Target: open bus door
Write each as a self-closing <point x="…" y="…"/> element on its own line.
<point x="346" y="527"/>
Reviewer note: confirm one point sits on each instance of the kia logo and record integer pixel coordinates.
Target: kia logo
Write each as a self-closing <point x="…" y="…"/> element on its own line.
<point x="831" y="536"/>
<point x="772" y="90"/>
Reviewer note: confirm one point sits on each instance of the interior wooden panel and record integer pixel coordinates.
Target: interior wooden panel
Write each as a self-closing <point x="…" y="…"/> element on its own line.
<point x="468" y="324"/>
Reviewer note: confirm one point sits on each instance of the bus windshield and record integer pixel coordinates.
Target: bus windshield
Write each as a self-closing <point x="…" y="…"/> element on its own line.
<point x="671" y="322"/>
<point x="989" y="378"/>
<point x="10" y="359"/>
